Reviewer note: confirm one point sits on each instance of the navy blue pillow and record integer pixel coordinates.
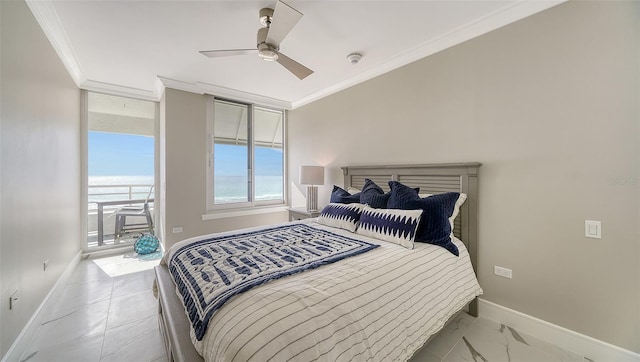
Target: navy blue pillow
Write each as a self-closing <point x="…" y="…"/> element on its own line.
<point x="341" y="196"/>
<point x="434" y="227"/>
<point x="400" y="195"/>
<point x="373" y="195"/>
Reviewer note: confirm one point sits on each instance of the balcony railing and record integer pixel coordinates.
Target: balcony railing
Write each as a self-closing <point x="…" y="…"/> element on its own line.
<point x="99" y="193"/>
<point x="104" y="200"/>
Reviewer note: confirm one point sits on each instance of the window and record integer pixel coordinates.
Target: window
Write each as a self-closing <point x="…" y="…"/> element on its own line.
<point x="246" y="156"/>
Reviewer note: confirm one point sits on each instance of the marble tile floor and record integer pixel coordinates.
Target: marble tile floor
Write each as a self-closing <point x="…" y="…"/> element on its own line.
<point x="107" y="312"/>
<point x="481" y="340"/>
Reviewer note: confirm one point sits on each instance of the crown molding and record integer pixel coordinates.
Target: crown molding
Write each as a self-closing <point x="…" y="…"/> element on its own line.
<point x="49" y="21"/>
<point x="45" y="14"/>
<point x="243" y="96"/>
<point x="497" y="19"/>
<point x="119" y="90"/>
<point x="179" y="85"/>
<point x="205" y="88"/>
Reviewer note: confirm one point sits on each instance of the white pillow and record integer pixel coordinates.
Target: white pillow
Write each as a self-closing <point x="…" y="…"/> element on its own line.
<point x="456" y="209"/>
<point x="392" y="225"/>
<point x="353" y="190"/>
<point x="343" y="216"/>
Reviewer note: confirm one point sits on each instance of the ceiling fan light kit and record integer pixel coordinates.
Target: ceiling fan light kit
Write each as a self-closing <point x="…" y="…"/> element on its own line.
<point x="277" y="24"/>
<point x="265" y="52"/>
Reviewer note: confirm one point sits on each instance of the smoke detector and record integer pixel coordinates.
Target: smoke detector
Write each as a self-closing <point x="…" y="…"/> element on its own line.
<point x="354" y="58"/>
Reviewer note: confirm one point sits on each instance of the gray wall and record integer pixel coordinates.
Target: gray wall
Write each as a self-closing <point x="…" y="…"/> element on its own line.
<point x="40" y="163"/>
<point x="183" y="127"/>
<point x="550" y="106"/>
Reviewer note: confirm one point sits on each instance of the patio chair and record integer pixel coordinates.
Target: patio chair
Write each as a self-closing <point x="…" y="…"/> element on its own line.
<point x="123" y="228"/>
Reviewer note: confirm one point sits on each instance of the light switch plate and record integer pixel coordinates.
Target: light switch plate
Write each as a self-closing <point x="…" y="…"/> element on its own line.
<point x="593" y="229"/>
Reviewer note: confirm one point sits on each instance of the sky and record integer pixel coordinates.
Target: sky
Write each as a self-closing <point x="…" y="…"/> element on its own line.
<point x="115" y="154"/>
<point x="231" y="160"/>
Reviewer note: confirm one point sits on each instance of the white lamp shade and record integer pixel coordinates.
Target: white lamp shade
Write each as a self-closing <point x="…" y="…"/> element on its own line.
<point x="311" y="175"/>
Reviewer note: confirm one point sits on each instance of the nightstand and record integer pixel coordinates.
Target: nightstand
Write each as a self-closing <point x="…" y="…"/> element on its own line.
<point x="300" y="213"/>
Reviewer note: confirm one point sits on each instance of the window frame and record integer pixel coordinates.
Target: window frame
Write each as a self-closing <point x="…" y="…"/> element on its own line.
<point x="212" y="207"/>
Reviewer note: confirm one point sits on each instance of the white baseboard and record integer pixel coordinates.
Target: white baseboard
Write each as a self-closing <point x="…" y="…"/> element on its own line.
<point x="28" y="332"/>
<point x="567" y="339"/>
<point x="107" y="252"/>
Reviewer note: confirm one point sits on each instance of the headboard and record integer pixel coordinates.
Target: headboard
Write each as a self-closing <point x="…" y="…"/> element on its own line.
<point x="432" y="179"/>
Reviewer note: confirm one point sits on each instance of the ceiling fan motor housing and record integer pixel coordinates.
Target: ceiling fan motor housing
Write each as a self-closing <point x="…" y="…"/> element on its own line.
<point x="266" y="14"/>
<point x="266" y="51"/>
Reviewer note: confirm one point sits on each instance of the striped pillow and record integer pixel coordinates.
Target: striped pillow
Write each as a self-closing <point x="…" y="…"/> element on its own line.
<point x="343" y="216"/>
<point x="395" y="226"/>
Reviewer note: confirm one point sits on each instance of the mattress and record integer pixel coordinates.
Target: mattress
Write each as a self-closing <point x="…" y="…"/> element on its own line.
<point x="381" y="305"/>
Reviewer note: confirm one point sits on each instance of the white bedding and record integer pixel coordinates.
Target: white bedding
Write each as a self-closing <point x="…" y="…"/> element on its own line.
<point x="379" y="306"/>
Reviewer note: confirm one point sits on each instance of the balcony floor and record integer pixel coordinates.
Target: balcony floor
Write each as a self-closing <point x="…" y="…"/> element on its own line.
<point x="108" y="240"/>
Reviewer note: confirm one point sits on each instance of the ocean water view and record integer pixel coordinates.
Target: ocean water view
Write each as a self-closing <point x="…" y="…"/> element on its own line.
<point x="121" y="166"/>
<point x="231" y="183"/>
<point x="230" y="189"/>
<point x="112" y="188"/>
<point x="120" y="180"/>
<point x="126" y="172"/>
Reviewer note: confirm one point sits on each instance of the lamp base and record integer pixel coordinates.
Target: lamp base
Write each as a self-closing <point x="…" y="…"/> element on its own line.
<point x="312" y="198"/>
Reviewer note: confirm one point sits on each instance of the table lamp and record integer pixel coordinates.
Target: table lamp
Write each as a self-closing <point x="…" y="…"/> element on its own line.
<point x="312" y="175"/>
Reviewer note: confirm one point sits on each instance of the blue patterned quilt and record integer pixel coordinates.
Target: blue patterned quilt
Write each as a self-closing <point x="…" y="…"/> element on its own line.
<point x="211" y="271"/>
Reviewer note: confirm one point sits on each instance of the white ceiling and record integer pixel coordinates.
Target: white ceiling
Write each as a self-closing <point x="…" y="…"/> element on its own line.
<point x="134" y="48"/>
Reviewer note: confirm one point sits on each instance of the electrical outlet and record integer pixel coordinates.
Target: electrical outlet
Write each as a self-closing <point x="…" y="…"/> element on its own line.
<point x="13" y="299"/>
<point x="45" y="265"/>
<point x="177" y="230"/>
<point x="503" y="272"/>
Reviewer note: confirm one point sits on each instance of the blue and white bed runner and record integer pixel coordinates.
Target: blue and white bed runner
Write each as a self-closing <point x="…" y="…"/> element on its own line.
<point x="211" y="271"/>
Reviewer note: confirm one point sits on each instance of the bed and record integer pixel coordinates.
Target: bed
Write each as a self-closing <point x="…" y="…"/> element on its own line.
<point x="342" y="329"/>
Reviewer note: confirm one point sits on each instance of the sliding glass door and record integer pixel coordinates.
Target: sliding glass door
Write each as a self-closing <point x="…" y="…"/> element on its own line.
<point x="120" y="146"/>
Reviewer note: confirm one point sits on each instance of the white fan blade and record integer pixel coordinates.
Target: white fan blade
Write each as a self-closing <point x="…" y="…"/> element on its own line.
<point x="284" y="19"/>
<point x="226" y="53"/>
<point x="294" y="67"/>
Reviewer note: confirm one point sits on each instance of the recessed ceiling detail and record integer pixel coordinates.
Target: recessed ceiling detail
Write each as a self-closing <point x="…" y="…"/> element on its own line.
<point x="136" y="48"/>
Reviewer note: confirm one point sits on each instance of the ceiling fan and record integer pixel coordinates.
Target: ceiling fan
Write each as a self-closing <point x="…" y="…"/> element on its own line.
<point x="277" y="24"/>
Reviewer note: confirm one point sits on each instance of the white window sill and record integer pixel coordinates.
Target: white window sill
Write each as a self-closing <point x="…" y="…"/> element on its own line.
<point x="223" y="214"/>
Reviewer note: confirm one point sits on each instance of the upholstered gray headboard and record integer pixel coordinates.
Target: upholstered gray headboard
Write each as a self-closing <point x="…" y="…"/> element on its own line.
<point x="432" y="179"/>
